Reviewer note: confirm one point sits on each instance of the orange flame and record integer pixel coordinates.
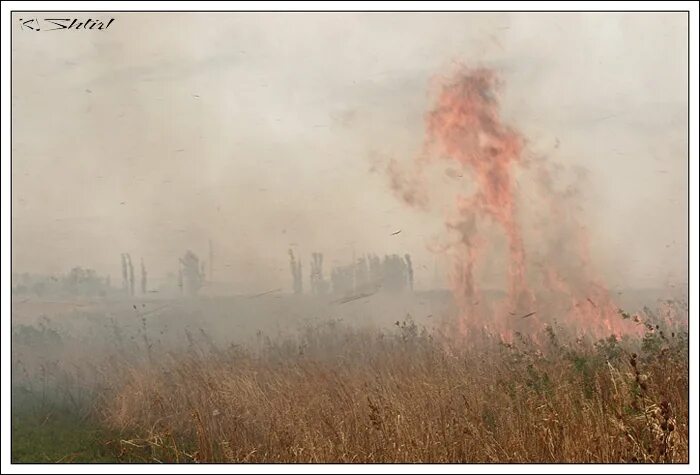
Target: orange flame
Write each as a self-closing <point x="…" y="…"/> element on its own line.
<point x="465" y="126"/>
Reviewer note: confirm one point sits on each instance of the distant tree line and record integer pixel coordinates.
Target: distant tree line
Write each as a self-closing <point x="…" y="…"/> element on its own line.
<point x="369" y="273"/>
<point x="80" y="282"/>
<point x="77" y="282"/>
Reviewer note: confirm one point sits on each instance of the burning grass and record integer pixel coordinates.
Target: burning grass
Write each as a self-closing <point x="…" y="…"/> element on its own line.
<point x="338" y="394"/>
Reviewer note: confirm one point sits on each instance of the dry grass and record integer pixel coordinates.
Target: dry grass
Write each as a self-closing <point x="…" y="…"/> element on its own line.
<point x="342" y="395"/>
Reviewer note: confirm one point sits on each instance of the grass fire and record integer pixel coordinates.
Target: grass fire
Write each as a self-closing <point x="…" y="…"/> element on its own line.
<point x="351" y="238"/>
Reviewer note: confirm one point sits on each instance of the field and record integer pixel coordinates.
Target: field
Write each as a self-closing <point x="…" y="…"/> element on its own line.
<point x="282" y="378"/>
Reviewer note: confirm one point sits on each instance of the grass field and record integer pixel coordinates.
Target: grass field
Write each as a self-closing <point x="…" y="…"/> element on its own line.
<point x="336" y="392"/>
<point x="58" y="437"/>
<point x="360" y="397"/>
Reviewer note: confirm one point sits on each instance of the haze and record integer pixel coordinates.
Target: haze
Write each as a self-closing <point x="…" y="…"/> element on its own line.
<point x="264" y="132"/>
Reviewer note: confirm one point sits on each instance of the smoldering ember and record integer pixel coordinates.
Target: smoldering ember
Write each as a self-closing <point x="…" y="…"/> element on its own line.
<point x="346" y="237"/>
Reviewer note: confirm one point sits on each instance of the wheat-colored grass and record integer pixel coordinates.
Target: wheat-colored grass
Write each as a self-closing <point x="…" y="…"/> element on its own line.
<point x="343" y="395"/>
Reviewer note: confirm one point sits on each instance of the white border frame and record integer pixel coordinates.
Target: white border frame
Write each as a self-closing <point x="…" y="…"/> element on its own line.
<point x="5" y="190"/>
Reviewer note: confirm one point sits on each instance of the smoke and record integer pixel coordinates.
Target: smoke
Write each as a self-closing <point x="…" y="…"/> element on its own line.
<point x="255" y="130"/>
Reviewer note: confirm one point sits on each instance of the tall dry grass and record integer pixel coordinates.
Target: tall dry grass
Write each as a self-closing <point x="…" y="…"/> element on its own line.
<point x="343" y="395"/>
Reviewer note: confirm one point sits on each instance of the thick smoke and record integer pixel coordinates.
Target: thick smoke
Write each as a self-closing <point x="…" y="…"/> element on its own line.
<point x="255" y="132"/>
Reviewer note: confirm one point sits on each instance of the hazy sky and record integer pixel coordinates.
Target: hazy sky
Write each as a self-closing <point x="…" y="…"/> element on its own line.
<point x="260" y="131"/>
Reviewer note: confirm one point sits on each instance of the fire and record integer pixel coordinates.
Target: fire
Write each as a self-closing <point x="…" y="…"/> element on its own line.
<point x="465" y="128"/>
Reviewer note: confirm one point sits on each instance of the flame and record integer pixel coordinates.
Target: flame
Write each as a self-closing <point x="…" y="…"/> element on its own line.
<point x="465" y="128"/>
